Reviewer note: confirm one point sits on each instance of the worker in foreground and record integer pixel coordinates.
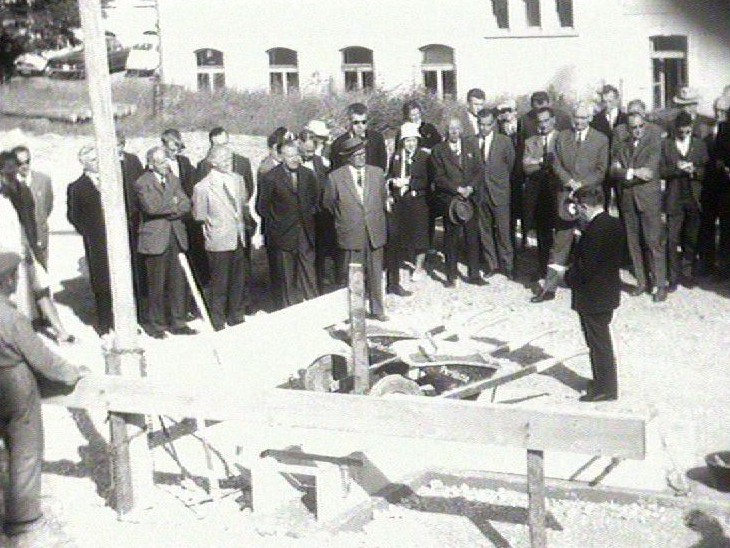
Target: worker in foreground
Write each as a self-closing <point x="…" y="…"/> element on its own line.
<point x="23" y="354"/>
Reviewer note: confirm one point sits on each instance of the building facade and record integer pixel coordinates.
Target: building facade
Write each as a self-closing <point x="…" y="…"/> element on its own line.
<point x="647" y="48"/>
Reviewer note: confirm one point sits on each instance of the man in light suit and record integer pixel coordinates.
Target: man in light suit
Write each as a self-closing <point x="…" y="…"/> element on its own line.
<point x="635" y="165"/>
<point x="684" y="158"/>
<point x="581" y="160"/>
<point x="493" y="196"/>
<point x="287" y="202"/>
<point x="241" y="164"/>
<point x="356" y="194"/>
<point x="42" y="190"/>
<point x="220" y="203"/>
<point x="162" y="236"/>
<point x="457" y="170"/>
<point x="376" y="153"/>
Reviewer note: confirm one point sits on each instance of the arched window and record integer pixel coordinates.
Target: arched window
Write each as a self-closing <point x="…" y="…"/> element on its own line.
<point x="211" y="72"/>
<point x="439" y="70"/>
<point x="283" y="70"/>
<point x="357" y="66"/>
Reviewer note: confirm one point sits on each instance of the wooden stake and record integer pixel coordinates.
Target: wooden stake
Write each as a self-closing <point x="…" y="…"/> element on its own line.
<point x="536" y="493"/>
<point x="358" y="331"/>
<point x="131" y="461"/>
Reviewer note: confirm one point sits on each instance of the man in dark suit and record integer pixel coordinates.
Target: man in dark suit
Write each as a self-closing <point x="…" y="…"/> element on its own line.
<point x="581" y="160"/>
<point x="606" y="120"/>
<point x="635" y="165"/>
<point x="182" y="168"/>
<point x="493" y="194"/>
<point x="356" y="195"/>
<point x="509" y="125"/>
<point x="528" y="122"/>
<point x="375" y="151"/>
<point x="457" y="169"/>
<point x="684" y="158"/>
<point x="621" y="131"/>
<point x="287" y="202"/>
<point x="539" y="201"/>
<point x="241" y="164"/>
<point x="476" y="100"/>
<point x="162" y="236"/>
<point x="85" y="213"/>
<point x="596" y="287"/>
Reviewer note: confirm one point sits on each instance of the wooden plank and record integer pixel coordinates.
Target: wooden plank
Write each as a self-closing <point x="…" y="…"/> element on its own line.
<point x="536" y="493"/>
<point x="360" y="370"/>
<point x="421" y="417"/>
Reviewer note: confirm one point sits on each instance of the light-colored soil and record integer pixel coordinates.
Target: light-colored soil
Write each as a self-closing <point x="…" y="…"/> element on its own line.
<point x="673" y="364"/>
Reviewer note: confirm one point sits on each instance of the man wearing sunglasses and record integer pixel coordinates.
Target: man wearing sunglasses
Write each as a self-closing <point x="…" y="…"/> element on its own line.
<point x="684" y="157"/>
<point x="635" y="166"/>
<point x="375" y="151"/>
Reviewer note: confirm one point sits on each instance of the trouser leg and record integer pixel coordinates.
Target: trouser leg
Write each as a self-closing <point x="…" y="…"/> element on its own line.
<point x="633" y="239"/>
<point x="451" y="248"/>
<point x="504" y="238"/>
<point x="674" y="231"/>
<point x="155" y="266"/>
<point x="220" y="272"/>
<point x="596" y="328"/>
<point x="486" y="220"/>
<point x="559" y="254"/>
<point x="176" y="285"/>
<point x="306" y="278"/>
<point x="374" y="279"/>
<point x="654" y="234"/>
<point x="237" y="285"/>
<point x="471" y="238"/>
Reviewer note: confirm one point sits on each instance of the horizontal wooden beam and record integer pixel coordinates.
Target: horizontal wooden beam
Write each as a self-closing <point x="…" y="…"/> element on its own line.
<point x="420" y="417"/>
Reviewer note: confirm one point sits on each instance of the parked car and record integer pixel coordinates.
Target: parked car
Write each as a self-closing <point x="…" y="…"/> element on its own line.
<point x="72" y="64"/>
<point x="144" y="57"/>
<point x="35" y="63"/>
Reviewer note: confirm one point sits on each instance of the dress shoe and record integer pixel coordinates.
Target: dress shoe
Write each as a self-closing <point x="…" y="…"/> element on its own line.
<point x="398" y="290"/>
<point x="543" y="296"/>
<point x="156" y="334"/>
<point x="450" y="284"/>
<point x="477" y="281"/>
<point x="672" y="287"/>
<point x="510" y="275"/>
<point x="598" y="397"/>
<point x="638" y="291"/>
<point x="184" y="330"/>
<point x="488" y="274"/>
<point x="378" y="317"/>
<point x="660" y="295"/>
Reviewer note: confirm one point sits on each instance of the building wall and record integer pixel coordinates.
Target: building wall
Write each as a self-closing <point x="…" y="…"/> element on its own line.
<point x="610" y="42"/>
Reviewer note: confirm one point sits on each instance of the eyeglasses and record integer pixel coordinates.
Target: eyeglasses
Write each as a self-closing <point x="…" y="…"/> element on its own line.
<point x="359" y="122"/>
<point x="24" y="162"/>
<point x="639" y="126"/>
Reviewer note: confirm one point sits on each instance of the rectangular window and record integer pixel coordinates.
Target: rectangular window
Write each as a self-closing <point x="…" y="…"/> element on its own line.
<point x="532" y="13"/>
<point x="276" y="81"/>
<point x="351" y="80"/>
<point x="368" y="79"/>
<point x="219" y="81"/>
<point x="565" y="13"/>
<point x="449" y="83"/>
<point x="203" y="81"/>
<point x="292" y="82"/>
<point x="500" y="8"/>
<point x="669" y="68"/>
<point x="430" y="81"/>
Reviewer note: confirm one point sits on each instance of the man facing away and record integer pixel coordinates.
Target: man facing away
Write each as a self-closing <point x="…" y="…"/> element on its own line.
<point x="356" y="195"/>
<point x="220" y="203"/>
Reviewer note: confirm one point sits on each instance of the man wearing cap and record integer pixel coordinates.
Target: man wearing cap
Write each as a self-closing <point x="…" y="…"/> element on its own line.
<point x="182" y="168"/>
<point x="375" y="151"/>
<point x="321" y="136"/>
<point x="86" y="214"/>
<point x="357" y="197"/>
<point x="687" y="100"/>
<point x="581" y="160"/>
<point x="23" y="354"/>
<point x="457" y="169"/>
<point x="635" y="165"/>
<point x="494" y="193"/>
<point x="220" y="203"/>
<point x="528" y="121"/>
<point x="162" y="236"/>
<point x="287" y="202"/>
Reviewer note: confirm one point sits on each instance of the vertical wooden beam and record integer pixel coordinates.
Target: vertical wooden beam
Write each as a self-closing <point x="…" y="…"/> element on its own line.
<point x="158" y="97"/>
<point x="358" y="331"/>
<point x="131" y="461"/>
<point x="536" y="493"/>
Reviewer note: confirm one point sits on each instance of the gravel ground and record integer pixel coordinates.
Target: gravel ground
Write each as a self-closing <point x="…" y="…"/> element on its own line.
<point x="672" y="364"/>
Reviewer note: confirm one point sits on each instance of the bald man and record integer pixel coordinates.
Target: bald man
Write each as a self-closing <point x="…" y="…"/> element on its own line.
<point x="581" y="160"/>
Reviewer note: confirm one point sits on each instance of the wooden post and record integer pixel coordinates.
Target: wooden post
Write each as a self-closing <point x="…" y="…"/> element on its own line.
<point x="536" y="493"/>
<point x="158" y="91"/>
<point x="131" y="460"/>
<point x="360" y="369"/>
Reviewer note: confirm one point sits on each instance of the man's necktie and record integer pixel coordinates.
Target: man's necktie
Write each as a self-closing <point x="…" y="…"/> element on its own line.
<point x="294" y="181"/>
<point x="484" y="150"/>
<point x="360" y="178"/>
<point x="545" y="148"/>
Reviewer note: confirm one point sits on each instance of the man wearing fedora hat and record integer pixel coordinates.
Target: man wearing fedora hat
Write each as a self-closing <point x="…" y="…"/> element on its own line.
<point x="457" y="169"/>
<point x="22" y="354"/>
<point x="356" y="195"/>
<point x="375" y="152"/>
<point x="687" y="100"/>
<point x="320" y="134"/>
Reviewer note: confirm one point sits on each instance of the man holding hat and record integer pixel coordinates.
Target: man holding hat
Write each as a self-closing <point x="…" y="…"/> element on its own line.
<point x="357" y="197"/>
<point x="457" y="169"/>
<point x="22" y="354"/>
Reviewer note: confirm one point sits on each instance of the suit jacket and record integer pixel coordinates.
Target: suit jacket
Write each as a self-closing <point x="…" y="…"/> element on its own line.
<point x="497" y="171"/>
<point x="697" y="154"/>
<point x="86" y="214"/>
<point x="430" y="136"/>
<point x="451" y="171"/>
<point x="288" y="214"/>
<point x="722" y="145"/>
<point x="529" y="127"/>
<point x="131" y="171"/>
<point x="594" y="275"/>
<point x="418" y="171"/>
<point x="621" y="132"/>
<point x="188" y="176"/>
<point x="467" y="127"/>
<point x="241" y="166"/>
<point x="647" y="195"/>
<point x="162" y="210"/>
<point x="42" y="190"/>
<point x="601" y="123"/>
<point x="358" y="223"/>
<point x="375" y="151"/>
<point x="220" y="203"/>
<point x="22" y="199"/>
<point x="534" y="151"/>
<point x="320" y="170"/>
